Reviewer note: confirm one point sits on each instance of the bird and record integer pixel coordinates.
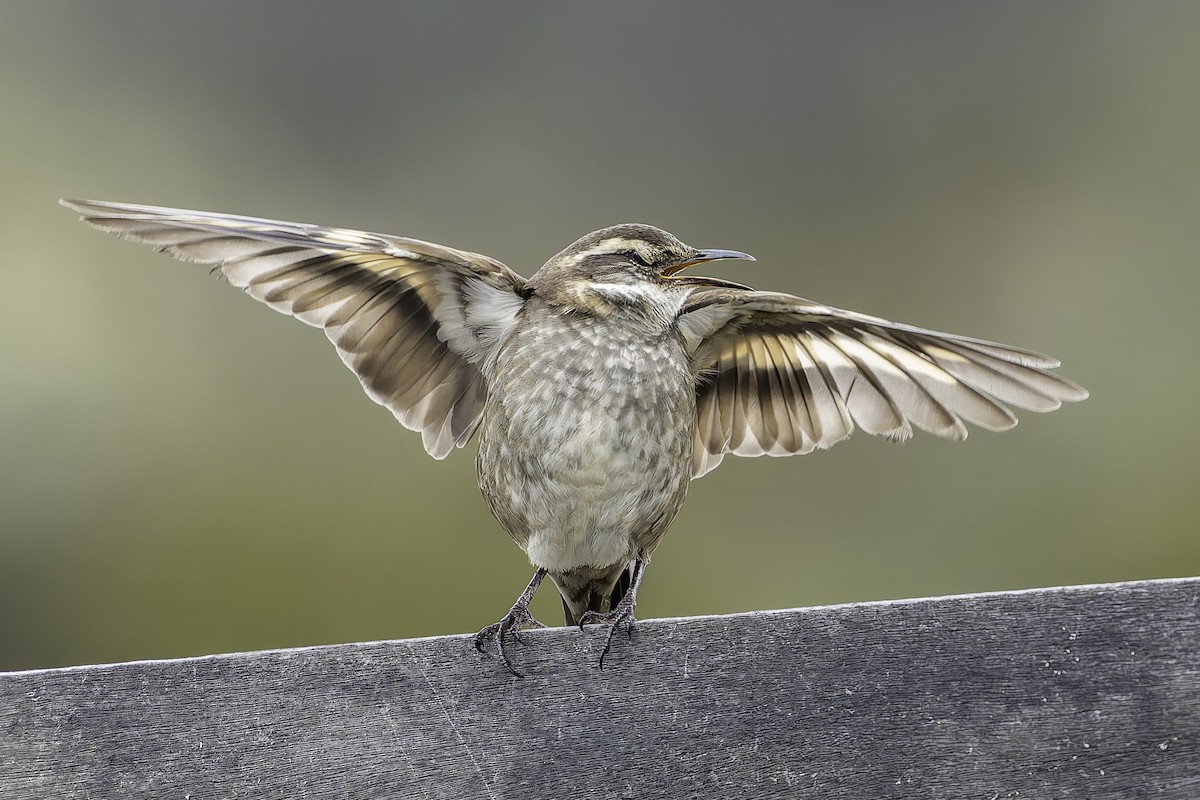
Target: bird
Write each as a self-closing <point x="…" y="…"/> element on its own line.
<point x="602" y="385"/>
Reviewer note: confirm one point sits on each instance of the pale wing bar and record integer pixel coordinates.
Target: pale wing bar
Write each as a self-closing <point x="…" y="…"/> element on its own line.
<point x="783" y="376"/>
<point x="395" y="309"/>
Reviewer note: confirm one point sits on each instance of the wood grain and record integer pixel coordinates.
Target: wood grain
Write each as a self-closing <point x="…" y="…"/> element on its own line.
<point x="1083" y="692"/>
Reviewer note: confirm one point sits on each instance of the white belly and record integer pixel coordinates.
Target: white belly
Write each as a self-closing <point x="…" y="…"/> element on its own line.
<point x="588" y="510"/>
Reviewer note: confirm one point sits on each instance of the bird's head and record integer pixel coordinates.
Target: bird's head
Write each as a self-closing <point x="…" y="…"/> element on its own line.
<point x="630" y="265"/>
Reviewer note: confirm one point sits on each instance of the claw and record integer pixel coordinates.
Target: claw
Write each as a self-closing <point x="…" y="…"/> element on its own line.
<point x="511" y="624"/>
<point x="619" y="617"/>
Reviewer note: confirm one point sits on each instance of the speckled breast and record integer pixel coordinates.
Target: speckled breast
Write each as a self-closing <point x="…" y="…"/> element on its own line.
<point x="585" y="447"/>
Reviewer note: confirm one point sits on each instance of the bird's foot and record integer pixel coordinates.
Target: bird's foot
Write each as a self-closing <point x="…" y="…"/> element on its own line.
<point x="619" y="617"/>
<point x="511" y="625"/>
<point x="518" y="617"/>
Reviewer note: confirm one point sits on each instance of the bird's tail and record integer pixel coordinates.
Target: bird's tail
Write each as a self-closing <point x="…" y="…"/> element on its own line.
<point x="597" y="590"/>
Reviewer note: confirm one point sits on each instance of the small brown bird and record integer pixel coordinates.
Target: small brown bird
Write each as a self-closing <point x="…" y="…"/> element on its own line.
<point x="600" y="387"/>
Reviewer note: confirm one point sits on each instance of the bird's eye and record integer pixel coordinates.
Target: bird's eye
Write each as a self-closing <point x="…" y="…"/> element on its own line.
<point x="637" y="258"/>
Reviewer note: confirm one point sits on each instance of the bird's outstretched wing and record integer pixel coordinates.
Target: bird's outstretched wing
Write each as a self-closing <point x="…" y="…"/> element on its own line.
<point x="781" y="376"/>
<point x="414" y="321"/>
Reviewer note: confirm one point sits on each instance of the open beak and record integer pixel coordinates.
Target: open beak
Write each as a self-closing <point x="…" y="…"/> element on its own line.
<point x="701" y="257"/>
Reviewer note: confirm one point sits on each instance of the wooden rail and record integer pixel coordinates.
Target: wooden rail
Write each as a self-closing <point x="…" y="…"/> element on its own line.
<point x="1079" y="692"/>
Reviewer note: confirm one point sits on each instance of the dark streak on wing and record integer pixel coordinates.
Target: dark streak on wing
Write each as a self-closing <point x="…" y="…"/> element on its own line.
<point x="400" y="311"/>
<point x="830" y="368"/>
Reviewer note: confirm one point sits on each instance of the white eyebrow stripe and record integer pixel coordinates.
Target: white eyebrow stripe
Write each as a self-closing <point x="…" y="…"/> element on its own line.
<point x="613" y="245"/>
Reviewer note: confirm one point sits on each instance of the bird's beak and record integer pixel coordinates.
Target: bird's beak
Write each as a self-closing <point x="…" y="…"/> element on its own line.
<point x="706" y="255"/>
<point x="701" y="257"/>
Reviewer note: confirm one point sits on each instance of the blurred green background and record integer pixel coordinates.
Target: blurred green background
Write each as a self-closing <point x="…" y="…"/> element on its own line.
<point x="185" y="471"/>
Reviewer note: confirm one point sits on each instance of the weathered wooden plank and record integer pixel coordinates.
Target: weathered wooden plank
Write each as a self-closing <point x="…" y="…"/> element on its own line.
<point x="1085" y="692"/>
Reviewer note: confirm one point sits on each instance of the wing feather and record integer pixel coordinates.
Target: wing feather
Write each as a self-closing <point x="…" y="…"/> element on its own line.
<point x="831" y="419"/>
<point x="789" y="434"/>
<point x="780" y="375"/>
<point x="865" y="400"/>
<point x="415" y="321"/>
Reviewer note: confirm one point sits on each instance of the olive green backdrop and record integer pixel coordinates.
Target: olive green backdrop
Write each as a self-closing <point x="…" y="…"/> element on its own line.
<point x="183" y="471"/>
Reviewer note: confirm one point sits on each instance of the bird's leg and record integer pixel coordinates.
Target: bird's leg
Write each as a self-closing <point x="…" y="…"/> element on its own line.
<point x="512" y="622"/>
<point x="621" y="615"/>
